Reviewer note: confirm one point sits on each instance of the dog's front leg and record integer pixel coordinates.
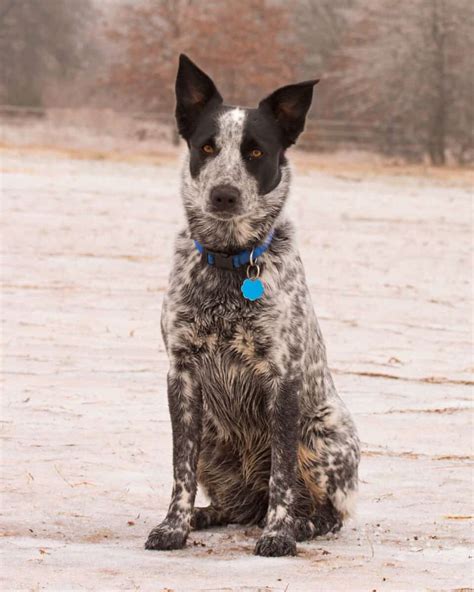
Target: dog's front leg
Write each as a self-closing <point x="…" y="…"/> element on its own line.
<point x="278" y="535"/>
<point x="185" y="404"/>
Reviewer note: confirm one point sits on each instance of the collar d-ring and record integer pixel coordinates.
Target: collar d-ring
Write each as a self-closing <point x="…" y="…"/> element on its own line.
<point x="253" y="266"/>
<point x="252" y="261"/>
<point x="257" y="271"/>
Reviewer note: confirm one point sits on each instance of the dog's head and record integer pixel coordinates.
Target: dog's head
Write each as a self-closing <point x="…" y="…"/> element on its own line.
<point x="235" y="180"/>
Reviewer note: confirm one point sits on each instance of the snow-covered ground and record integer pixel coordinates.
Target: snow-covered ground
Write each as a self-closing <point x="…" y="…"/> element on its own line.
<point x="85" y="428"/>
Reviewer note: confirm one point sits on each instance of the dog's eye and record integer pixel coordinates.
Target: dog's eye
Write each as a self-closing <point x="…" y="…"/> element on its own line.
<point x="208" y="149"/>
<point x="255" y="153"/>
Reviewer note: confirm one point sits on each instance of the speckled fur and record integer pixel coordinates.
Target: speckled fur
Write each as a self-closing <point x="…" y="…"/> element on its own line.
<point x="255" y="415"/>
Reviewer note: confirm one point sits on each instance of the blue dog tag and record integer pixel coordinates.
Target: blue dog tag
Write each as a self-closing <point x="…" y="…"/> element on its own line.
<point x="252" y="289"/>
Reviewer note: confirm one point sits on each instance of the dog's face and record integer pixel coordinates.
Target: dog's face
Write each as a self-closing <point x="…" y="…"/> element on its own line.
<point x="236" y="176"/>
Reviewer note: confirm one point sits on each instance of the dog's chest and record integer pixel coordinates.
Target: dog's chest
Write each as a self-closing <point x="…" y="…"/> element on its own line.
<point x="238" y="350"/>
<point x="236" y="365"/>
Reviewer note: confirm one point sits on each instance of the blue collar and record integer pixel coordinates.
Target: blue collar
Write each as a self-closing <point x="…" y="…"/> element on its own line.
<point x="227" y="261"/>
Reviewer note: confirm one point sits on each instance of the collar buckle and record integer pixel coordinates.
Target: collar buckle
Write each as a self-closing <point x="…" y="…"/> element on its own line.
<point x="221" y="260"/>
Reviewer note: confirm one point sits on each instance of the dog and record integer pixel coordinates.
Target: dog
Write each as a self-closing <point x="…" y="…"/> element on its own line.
<point x="256" y="419"/>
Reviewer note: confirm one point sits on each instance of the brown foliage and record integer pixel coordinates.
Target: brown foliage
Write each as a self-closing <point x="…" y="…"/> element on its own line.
<point x="247" y="46"/>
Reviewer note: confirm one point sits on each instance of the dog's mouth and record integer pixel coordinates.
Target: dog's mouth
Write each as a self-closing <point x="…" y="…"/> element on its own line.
<point x="224" y="216"/>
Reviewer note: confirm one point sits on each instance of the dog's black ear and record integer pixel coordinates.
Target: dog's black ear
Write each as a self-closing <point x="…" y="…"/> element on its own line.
<point x="194" y="91"/>
<point x="289" y="105"/>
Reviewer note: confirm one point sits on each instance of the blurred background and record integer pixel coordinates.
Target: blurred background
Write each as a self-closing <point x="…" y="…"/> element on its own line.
<point x="90" y="206"/>
<point x="396" y="77"/>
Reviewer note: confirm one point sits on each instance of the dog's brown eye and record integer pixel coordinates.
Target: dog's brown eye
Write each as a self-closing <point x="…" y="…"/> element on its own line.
<point x="256" y="153"/>
<point x="208" y="149"/>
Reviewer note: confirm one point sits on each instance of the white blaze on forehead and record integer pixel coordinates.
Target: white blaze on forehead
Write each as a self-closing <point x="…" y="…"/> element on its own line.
<point x="231" y="128"/>
<point x="237" y="115"/>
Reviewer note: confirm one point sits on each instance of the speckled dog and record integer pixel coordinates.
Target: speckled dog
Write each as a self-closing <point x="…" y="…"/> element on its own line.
<point x="255" y="415"/>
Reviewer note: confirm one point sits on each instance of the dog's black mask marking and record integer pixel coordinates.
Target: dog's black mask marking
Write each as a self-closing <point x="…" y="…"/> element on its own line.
<point x="271" y="128"/>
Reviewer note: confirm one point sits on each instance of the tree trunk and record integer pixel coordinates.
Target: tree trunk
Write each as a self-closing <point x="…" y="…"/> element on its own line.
<point x="437" y="141"/>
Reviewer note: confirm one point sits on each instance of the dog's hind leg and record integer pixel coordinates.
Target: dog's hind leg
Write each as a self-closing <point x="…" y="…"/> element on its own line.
<point x="304" y="529"/>
<point x="328" y="475"/>
<point x="207" y="518"/>
<point x="325" y="520"/>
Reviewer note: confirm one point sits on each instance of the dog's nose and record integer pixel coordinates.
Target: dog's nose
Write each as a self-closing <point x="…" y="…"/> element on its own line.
<point x="225" y="198"/>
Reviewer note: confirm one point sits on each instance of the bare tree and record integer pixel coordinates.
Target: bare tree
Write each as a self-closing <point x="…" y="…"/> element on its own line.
<point x="406" y="66"/>
<point x="40" y="40"/>
<point x="320" y="26"/>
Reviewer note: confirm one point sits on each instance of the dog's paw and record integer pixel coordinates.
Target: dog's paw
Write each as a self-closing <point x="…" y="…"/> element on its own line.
<point x="165" y="538"/>
<point x="304" y="529"/>
<point x="275" y="545"/>
<point x="204" y="518"/>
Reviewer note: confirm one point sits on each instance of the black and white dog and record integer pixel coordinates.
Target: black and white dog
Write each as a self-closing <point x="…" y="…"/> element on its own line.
<point x="255" y="415"/>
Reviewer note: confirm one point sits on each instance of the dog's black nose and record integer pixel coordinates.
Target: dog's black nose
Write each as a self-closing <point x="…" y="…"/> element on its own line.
<point x="225" y="199"/>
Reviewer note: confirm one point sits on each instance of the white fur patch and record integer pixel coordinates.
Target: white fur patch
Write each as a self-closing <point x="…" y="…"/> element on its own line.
<point x="280" y="513"/>
<point x="345" y="502"/>
<point x="184" y="502"/>
<point x="237" y="115"/>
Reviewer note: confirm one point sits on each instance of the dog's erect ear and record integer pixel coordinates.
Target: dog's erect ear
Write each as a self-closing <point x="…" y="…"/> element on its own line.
<point x="289" y="105"/>
<point x="194" y="91"/>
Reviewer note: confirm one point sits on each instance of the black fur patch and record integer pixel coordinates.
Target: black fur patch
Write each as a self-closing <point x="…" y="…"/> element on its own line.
<point x="261" y="131"/>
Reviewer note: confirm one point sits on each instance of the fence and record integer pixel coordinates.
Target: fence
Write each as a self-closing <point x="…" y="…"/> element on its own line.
<point x="148" y="127"/>
<point x="327" y="135"/>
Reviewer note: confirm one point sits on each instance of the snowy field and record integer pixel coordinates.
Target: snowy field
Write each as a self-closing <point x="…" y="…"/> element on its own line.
<point x="86" y="437"/>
